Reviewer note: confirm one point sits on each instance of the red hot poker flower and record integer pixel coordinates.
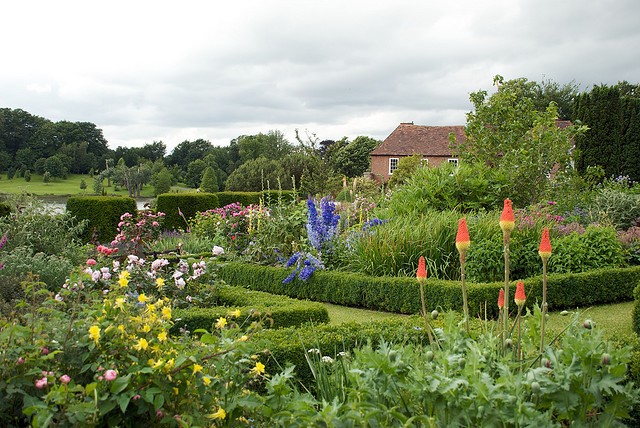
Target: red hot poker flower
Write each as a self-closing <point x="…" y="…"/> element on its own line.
<point x="421" y="274"/>
<point x="520" y="297"/>
<point x="507" y="220"/>
<point x="545" y="245"/>
<point x="462" y="237"/>
<point x="501" y="299"/>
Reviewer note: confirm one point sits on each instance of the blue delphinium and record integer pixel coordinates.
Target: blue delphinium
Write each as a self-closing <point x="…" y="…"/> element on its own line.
<point x="373" y="223"/>
<point x="305" y="264"/>
<point x="322" y="229"/>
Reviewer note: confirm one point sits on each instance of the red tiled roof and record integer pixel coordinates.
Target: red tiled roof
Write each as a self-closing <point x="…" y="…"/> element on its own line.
<point x="408" y="139"/>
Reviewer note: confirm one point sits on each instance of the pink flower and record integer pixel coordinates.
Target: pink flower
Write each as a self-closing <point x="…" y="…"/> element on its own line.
<point x="65" y="379"/>
<point x="41" y="383"/>
<point x="91" y="262"/>
<point x="21" y="360"/>
<point x="110" y="375"/>
<point x="44" y="351"/>
<point x="136" y="397"/>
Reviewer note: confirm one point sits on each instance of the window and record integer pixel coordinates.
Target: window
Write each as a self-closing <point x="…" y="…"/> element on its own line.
<point x="393" y="165"/>
<point x="424" y="162"/>
<point x="454" y="161"/>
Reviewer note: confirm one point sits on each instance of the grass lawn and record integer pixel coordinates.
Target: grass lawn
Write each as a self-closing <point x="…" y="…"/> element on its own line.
<point x="614" y="320"/>
<point x="67" y="187"/>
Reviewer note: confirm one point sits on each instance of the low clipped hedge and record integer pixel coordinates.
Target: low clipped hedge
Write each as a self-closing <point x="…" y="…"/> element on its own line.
<point x="102" y="213"/>
<point x="172" y="204"/>
<point x="284" y="312"/>
<point x="401" y="294"/>
<point x="267" y="197"/>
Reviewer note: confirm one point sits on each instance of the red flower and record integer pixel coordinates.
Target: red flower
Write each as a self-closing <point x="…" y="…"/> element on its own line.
<point x="422" y="270"/>
<point x="545" y="245"/>
<point x="501" y="299"/>
<point x="462" y="237"/>
<point x="520" y="297"/>
<point x="507" y="221"/>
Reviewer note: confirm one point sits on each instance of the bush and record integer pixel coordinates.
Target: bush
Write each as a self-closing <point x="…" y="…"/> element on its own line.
<point x="179" y="208"/>
<point x="597" y="247"/>
<point x="102" y="214"/>
<point x="22" y="261"/>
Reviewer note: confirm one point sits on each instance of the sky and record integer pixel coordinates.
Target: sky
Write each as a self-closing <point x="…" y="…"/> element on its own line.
<point x="169" y="71"/>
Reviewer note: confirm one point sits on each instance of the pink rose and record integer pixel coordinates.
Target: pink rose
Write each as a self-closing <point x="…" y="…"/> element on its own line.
<point x="44" y="351"/>
<point x="91" y="262"/>
<point x="65" y="379"/>
<point x="110" y="375"/>
<point x="41" y="383"/>
<point x="21" y="360"/>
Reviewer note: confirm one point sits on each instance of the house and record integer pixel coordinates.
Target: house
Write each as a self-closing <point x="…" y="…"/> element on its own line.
<point x="432" y="142"/>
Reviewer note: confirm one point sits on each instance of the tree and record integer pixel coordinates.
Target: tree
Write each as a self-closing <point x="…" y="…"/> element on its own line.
<point x="188" y="151"/>
<point x="133" y="178"/>
<point x="354" y="158"/>
<point x="563" y="96"/>
<point x="256" y="175"/>
<point x="508" y="132"/>
<point x="272" y="145"/>
<point x="55" y="166"/>
<point x="161" y="181"/>
<point x="406" y="167"/>
<point x="195" y="170"/>
<point x="27" y="175"/>
<point x="83" y="184"/>
<point x="46" y="177"/>
<point x="209" y="180"/>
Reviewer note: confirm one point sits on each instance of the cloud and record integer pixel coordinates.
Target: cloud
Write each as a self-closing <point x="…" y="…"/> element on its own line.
<point x="146" y="71"/>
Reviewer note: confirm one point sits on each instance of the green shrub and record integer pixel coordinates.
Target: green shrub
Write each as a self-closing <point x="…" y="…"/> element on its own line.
<point x="597" y="247"/>
<point x="620" y="207"/>
<point x="401" y="294"/>
<point x="50" y="269"/>
<point x="173" y="204"/>
<point x="284" y="312"/>
<point x="102" y="214"/>
<point x="5" y="209"/>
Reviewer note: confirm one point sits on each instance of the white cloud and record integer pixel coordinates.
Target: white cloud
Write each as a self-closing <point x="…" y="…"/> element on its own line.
<point x="145" y="71"/>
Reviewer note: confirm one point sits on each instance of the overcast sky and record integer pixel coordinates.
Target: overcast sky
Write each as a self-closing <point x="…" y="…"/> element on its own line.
<point x="146" y="71"/>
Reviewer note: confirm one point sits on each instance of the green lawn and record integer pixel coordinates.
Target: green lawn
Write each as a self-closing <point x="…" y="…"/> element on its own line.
<point x="614" y="320"/>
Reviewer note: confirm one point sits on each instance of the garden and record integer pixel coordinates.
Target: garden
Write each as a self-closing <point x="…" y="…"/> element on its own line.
<point x="212" y="309"/>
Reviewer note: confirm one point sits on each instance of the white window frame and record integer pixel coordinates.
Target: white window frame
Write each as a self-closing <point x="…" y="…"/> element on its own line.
<point x="424" y="162"/>
<point x="453" y="161"/>
<point x="397" y="161"/>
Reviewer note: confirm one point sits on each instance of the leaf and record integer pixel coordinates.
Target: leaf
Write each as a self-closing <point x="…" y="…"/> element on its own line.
<point x="120" y="384"/>
<point x="208" y="339"/>
<point x="123" y="401"/>
<point x="158" y="401"/>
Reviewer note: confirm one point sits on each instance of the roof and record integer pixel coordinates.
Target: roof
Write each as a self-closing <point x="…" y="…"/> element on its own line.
<point x="408" y="139"/>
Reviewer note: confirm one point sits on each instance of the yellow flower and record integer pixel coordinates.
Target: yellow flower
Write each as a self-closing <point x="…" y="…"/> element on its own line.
<point x="176" y="391"/>
<point x="170" y="364"/>
<point x="121" y="328"/>
<point x="142" y="344"/>
<point x="258" y="369"/>
<point x="221" y="322"/>
<point x="235" y="314"/>
<point x="142" y="298"/>
<point x="146" y="328"/>
<point x="206" y="380"/>
<point x="220" y="414"/>
<point x="244" y="338"/>
<point x="162" y="336"/>
<point x="197" y="368"/>
<point x="159" y="283"/>
<point x="94" y="333"/>
<point x="123" y="278"/>
<point x="166" y="313"/>
<point x="120" y="303"/>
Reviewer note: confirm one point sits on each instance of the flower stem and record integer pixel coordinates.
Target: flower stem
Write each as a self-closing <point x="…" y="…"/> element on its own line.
<point x="506" y="285"/>
<point x="465" y="307"/>
<point x="544" y="303"/>
<point x="424" y="313"/>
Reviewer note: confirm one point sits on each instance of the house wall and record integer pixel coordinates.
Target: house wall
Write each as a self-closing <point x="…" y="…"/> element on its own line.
<point x="380" y="165"/>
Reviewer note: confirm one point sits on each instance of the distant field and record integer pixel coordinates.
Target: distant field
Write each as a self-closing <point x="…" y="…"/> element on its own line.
<point x="59" y="187"/>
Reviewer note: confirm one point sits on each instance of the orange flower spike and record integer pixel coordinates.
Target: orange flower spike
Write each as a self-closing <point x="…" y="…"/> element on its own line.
<point x="462" y="237"/>
<point x="520" y="297"/>
<point x="545" y="245"/>
<point x="507" y="220"/>
<point x="501" y="299"/>
<point x="422" y="270"/>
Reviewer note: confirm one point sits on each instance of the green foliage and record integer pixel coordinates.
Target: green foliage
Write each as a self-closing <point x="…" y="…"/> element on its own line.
<point x="258" y="174"/>
<point x="406" y="167"/>
<point x="353" y="158"/>
<point x="209" y="181"/>
<point x="447" y="187"/>
<point x="597" y="248"/>
<point x="22" y="262"/>
<point x="27" y="175"/>
<point x="508" y="132"/>
<point x="181" y="207"/>
<point x="102" y="214"/>
<point x="83" y="184"/>
<point x="618" y="206"/>
<point x="252" y="305"/>
<point x="46" y="177"/>
<point x="5" y="209"/>
<point x="161" y="182"/>
<point x="401" y="294"/>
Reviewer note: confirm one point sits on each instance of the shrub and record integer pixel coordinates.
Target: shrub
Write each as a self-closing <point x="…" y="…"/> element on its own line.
<point x="597" y="248"/>
<point x="22" y="262"/>
<point x="102" y="214"/>
<point x="179" y="208"/>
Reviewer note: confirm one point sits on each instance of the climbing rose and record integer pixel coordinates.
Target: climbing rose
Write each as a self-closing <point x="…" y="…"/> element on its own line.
<point x="110" y="375"/>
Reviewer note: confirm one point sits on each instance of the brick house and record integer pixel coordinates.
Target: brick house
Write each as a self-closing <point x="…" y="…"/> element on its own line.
<point x="432" y="142"/>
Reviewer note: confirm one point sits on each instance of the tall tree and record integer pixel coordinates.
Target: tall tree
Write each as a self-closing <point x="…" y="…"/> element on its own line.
<point x="507" y="131"/>
<point x="354" y="158"/>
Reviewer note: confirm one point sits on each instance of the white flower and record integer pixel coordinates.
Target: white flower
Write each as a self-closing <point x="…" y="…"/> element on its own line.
<point x="313" y="351"/>
<point x="180" y="283"/>
<point x="177" y="274"/>
<point x="217" y="251"/>
<point x="327" y="359"/>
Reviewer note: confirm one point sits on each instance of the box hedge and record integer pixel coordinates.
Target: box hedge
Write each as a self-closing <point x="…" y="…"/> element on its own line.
<point x="103" y="214"/>
<point x="172" y="204"/>
<point x="284" y="312"/>
<point x="401" y="294"/>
